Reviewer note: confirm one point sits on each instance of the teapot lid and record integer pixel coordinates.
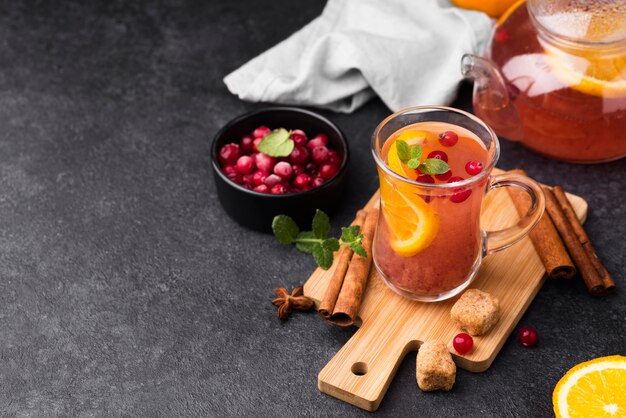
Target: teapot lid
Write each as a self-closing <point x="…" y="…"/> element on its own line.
<point x="591" y="22"/>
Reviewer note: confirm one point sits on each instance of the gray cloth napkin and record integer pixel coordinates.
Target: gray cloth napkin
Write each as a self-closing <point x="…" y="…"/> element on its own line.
<point x="408" y="52"/>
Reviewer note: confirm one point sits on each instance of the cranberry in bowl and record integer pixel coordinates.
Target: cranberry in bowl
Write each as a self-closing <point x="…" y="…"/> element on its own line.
<point x="278" y="160"/>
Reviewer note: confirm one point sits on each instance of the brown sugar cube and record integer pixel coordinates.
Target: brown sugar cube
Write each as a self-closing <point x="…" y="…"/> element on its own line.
<point x="476" y="312"/>
<point x="435" y="369"/>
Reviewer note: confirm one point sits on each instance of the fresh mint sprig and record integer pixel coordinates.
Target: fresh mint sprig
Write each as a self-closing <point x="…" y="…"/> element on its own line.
<point x="410" y="155"/>
<point x="316" y="241"/>
<point x="277" y="143"/>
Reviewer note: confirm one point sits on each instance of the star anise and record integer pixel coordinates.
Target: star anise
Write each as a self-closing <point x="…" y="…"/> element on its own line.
<point x="286" y="302"/>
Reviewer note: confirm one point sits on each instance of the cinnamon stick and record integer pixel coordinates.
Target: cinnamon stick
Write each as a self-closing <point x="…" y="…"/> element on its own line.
<point x="545" y="238"/>
<point x="327" y="305"/>
<point x="570" y="214"/>
<point x="590" y="276"/>
<point x="354" y="284"/>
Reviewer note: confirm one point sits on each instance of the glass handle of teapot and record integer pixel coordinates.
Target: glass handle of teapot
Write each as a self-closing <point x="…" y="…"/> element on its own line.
<point x="499" y="240"/>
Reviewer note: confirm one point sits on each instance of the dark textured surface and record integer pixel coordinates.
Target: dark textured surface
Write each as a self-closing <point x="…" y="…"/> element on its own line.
<point x="125" y="289"/>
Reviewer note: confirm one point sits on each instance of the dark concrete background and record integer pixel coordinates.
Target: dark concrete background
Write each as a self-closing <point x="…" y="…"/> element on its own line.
<point x="125" y="290"/>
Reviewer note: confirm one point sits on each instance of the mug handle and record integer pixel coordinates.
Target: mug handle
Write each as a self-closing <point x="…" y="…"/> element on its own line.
<point x="499" y="240"/>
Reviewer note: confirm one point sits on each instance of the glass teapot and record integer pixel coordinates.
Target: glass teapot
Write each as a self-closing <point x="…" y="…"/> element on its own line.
<point x="554" y="78"/>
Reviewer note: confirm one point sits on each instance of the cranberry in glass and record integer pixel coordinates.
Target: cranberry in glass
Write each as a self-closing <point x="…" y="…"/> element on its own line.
<point x="448" y="138"/>
<point x="473" y="168"/>
<point x="440" y="155"/>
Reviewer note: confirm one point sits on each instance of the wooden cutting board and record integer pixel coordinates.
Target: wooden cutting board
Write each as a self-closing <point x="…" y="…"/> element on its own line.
<point x="391" y="326"/>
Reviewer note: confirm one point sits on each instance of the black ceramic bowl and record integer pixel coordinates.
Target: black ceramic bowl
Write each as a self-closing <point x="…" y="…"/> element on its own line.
<point x="256" y="210"/>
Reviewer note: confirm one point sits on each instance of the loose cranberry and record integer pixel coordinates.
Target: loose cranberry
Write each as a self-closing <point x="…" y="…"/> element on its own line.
<point x="299" y="137"/>
<point x="319" y="154"/>
<point x="264" y="162"/>
<point x="299" y="155"/>
<point x="245" y="164"/>
<point x="261" y="131"/>
<point x="440" y="155"/>
<point x="425" y="178"/>
<point x="258" y="178"/>
<point x="247" y="144"/>
<point x="255" y="144"/>
<point x="229" y="154"/>
<point x="445" y="176"/>
<point x="461" y="195"/>
<point x="283" y="169"/>
<point x="528" y="336"/>
<point x="463" y="343"/>
<point x="278" y="189"/>
<point x="311" y="169"/>
<point x="327" y="171"/>
<point x="272" y="180"/>
<point x="473" y="167"/>
<point x="262" y="188"/>
<point x="302" y="181"/>
<point x="448" y="138"/>
<point x="501" y="35"/>
<point x="317" y="182"/>
<point x="233" y="174"/>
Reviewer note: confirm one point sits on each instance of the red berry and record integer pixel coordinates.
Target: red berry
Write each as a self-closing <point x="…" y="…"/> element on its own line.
<point x="319" y="154"/>
<point x="327" y="171"/>
<point x="283" y="169"/>
<point x="320" y="140"/>
<point x="311" y="169"/>
<point x="278" y="189"/>
<point x="448" y="138"/>
<point x="323" y="138"/>
<point x="298" y="169"/>
<point x="299" y="137"/>
<point x="425" y="178"/>
<point x="229" y="154"/>
<point x="245" y="164"/>
<point x="248" y="180"/>
<point x="445" y="176"/>
<point x="461" y="195"/>
<point x="317" y="182"/>
<point x="299" y="155"/>
<point x="247" y="144"/>
<point x="261" y="131"/>
<point x="264" y="162"/>
<point x="473" y="167"/>
<point x="501" y="35"/>
<point x="259" y="177"/>
<point x="440" y="155"/>
<point x="262" y="188"/>
<point x="463" y="343"/>
<point x="255" y="144"/>
<point x="272" y="180"/>
<point x="233" y="174"/>
<point x="333" y="157"/>
<point x="302" y="181"/>
<point x="528" y="336"/>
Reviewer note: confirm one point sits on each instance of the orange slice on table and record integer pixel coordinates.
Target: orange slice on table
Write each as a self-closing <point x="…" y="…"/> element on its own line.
<point x="595" y="388"/>
<point x="413" y="224"/>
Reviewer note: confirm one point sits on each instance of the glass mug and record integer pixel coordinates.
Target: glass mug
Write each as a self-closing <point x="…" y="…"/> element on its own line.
<point x="429" y="245"/>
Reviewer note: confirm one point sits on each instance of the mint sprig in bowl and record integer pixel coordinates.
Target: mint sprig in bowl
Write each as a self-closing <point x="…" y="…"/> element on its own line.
<point x="256" y="210"/>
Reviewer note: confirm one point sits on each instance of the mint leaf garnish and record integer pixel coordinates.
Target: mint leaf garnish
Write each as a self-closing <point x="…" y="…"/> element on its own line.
<point x="285" y="229"/>
<point x="321" y="224"/>
<point x="305" y="241"/>
<point x="416" y="152"/>
<point x="323" y="256"/>
<point x="315" y="242"/>
<point x="404" y="152"/>
<point x="277" y="143"/>
<point x="433" y="166"/>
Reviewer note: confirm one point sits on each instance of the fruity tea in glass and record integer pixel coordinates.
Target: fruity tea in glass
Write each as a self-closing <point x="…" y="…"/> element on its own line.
<point x="434" y="166"/>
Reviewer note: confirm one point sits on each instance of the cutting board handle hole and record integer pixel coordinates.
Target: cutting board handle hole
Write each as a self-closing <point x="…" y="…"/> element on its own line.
<point x="359" y="368"/>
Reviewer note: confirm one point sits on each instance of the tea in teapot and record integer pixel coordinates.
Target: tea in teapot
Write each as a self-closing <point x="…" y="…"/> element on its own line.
<point x="554" y="78"/>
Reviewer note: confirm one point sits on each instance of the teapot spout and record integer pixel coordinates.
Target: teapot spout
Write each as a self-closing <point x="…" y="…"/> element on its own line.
<point x="493" y="96"/>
